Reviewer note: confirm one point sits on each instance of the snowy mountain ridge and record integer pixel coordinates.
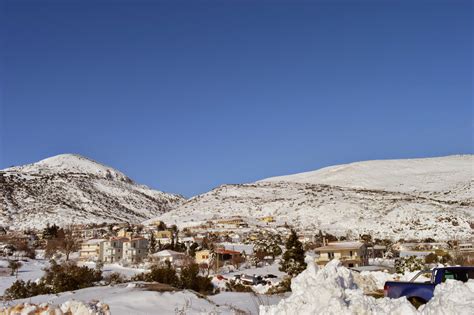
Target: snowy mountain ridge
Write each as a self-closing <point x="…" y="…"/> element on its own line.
<point x="407" y="175"/>
<point x="414" y="198"/>
<point x="72" y="189"/>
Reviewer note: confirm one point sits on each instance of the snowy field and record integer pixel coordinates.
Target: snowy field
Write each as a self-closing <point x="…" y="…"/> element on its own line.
<point x="329" y="290"/>
<point x="32" y="269"/>
<point x="128" y="299"/>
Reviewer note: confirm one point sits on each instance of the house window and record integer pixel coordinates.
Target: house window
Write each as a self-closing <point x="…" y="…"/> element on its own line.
<point x="331" y="255"/>
<point x="350" y="253"/>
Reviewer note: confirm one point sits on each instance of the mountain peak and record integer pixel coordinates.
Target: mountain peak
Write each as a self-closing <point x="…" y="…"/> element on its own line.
<point x="73" y="189"/>
<point x="71" y="163"/>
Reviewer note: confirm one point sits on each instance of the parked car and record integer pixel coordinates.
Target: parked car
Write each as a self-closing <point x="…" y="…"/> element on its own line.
<point x="419" y="293"/>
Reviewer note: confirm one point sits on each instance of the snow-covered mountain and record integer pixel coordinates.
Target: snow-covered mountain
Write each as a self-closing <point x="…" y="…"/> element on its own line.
<point x="412" y="198"/>
<point x="451" y="175"/>
<point x="71" y="189"/>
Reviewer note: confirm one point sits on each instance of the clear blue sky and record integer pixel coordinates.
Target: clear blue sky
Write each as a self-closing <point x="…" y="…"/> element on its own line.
<point x="187" y="95"/>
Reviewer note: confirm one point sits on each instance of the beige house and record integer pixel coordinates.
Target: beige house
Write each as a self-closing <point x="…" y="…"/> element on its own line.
<point x="135" y="249"/>
<point x="112" y="250"/>
<point x="203" y="256"/>
<point x="351" y="254"/>
<point x="123" y="249"/>
<point x="90" y="249"/>
<point x="125" y="232"/>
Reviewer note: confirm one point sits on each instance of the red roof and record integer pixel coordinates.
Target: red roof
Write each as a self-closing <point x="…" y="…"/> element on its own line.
<point x="226" y="251"/>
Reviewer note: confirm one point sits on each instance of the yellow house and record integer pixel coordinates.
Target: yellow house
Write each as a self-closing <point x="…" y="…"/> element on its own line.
<point x="351" y="254"/>
<point x="163" y="234"/>
<point x="124" y="232"/>
<point x="202" y="256"/>
<point x="267" y="219"/>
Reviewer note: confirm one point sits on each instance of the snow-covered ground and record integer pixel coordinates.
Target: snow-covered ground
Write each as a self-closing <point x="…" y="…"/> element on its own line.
<point x="126" y="299"/>
<point x="333" y="290"/>
<point x="329" y="290"/>
<point x="32" y="269"/>
<point x="129" y="299"/>
<point x="247" y="302"/>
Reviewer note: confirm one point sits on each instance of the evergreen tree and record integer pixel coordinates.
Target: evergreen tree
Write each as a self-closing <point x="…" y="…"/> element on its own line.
<point x="268" y="243"/>
<point x="152" y="246"/>
<point x="50" y="231"/>
<point x="293" y="259"/>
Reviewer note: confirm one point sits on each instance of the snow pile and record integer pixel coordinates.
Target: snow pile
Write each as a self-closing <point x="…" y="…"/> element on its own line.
<point x="333" y="290"/>
<point x="70" y="307"/>
<point x="379" y="277"/>
<point x="452" y="297"/>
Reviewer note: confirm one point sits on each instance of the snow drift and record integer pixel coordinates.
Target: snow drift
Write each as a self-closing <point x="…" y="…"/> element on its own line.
<point x="68" y="307"/>
<point x="333" y="290"/>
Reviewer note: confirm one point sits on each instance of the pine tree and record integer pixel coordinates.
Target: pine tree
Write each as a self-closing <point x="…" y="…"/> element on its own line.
<point x="152" y="246"/>
<point x="50" y="231"/>
<point x="268" y="243"/>
<point x="293" y="259"/>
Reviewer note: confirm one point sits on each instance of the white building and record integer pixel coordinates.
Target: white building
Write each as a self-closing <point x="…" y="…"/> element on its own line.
<point x="90" y="249"/>
<point x="175" y="258"/>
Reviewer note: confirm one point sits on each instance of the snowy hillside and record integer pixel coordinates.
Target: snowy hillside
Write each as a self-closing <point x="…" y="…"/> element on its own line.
<point x="441" y="210"/>
<point x="71" y="189"/>
<point x="451" y="175"/>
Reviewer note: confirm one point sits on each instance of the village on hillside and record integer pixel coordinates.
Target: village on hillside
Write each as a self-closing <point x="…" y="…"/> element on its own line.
<point x="221" y="255"/>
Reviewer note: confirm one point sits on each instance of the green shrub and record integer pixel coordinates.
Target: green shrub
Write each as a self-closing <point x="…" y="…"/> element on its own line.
<point x="57" y="278"/>
<point x="282" y="287"/>
<point x="190" y="279"/>
<point x="237" y="287"/>
<point x="69" y="277"/>
<point x="21" y="289"/>
<point x="166" y="275"/>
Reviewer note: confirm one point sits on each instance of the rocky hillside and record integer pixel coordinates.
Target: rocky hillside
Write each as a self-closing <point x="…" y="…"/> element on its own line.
<point x="395" y="198"/>
<point x="71" y="189"/>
